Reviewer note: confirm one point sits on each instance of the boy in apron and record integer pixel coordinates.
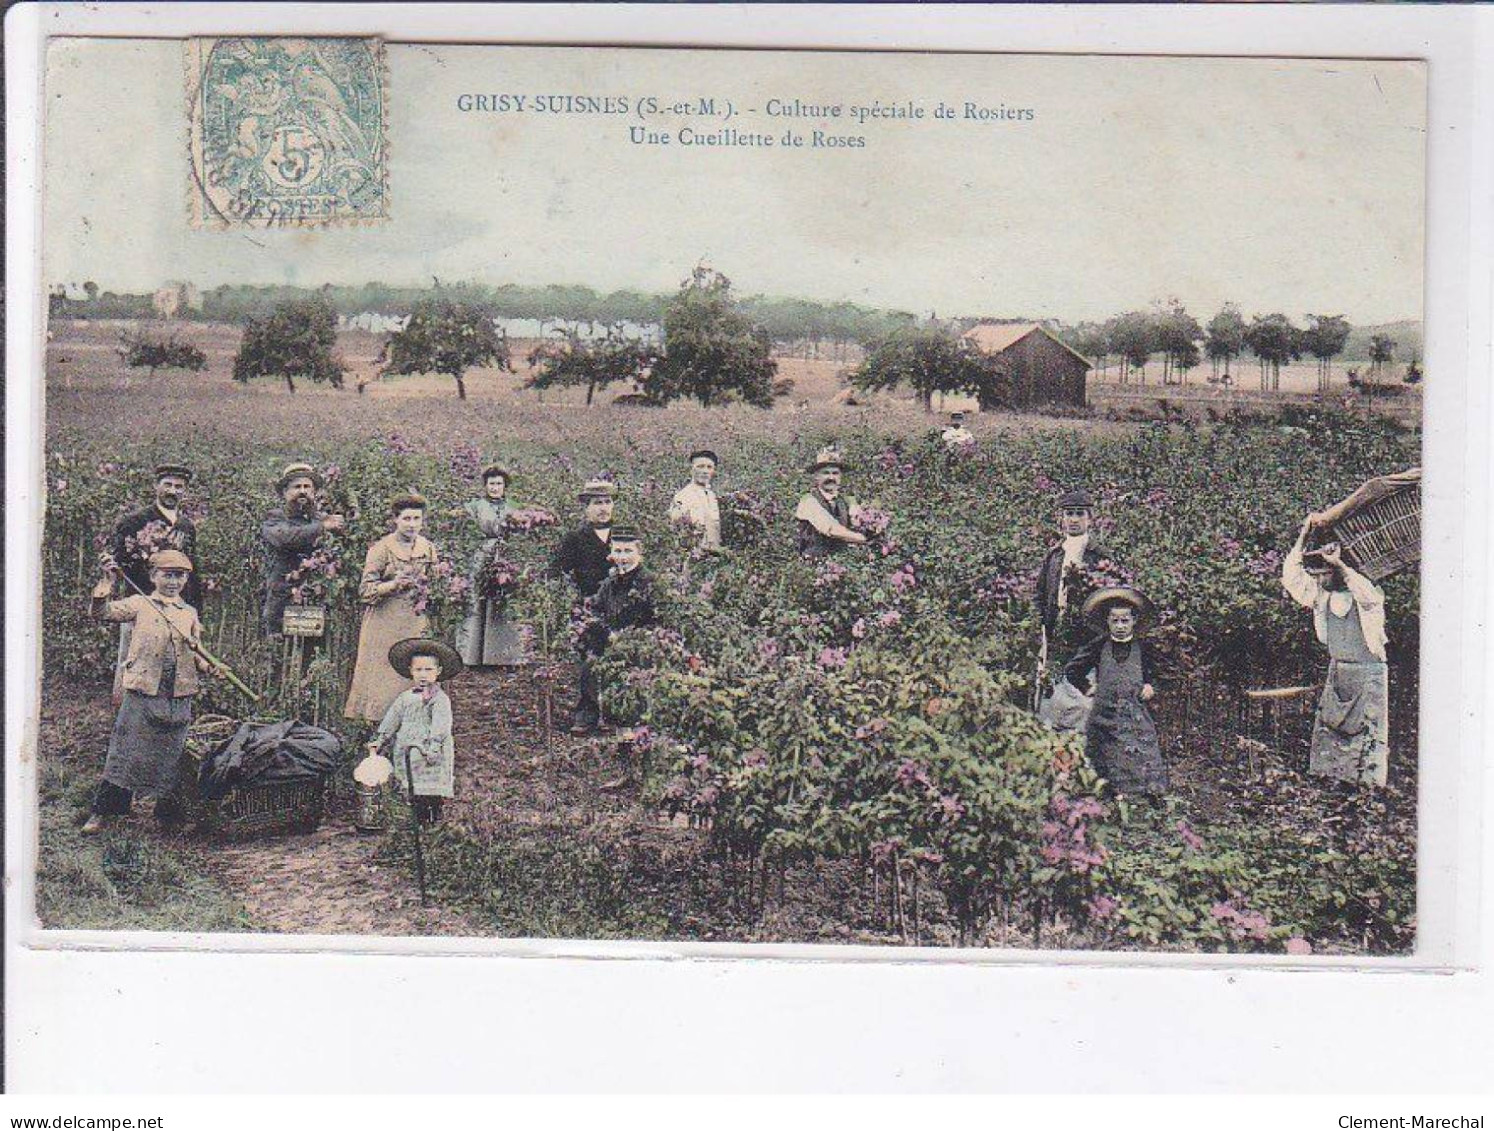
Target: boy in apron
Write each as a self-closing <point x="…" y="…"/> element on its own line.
<point x="417" y="726"/>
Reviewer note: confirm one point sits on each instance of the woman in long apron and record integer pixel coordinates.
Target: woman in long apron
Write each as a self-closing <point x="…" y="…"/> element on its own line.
<point x="485" y="638"/>
<point x="392" y="573"/>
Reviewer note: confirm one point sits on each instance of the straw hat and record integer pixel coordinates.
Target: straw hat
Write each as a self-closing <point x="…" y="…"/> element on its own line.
<point x="598" y="489"/>
<point x="827" y="457"/>
<point x="403" y="654"/>
<point x="299" y="471"/>
<point x="1097" y="605"/>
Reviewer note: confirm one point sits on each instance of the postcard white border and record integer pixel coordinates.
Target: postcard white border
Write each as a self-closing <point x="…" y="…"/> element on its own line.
<point x="49" y="970"/>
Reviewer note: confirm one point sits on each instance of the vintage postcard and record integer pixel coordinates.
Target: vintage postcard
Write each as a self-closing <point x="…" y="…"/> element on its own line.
<point x="907" y="500"/>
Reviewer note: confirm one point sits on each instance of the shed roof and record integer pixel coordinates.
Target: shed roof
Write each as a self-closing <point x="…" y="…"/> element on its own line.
<point x="995" y="337"/>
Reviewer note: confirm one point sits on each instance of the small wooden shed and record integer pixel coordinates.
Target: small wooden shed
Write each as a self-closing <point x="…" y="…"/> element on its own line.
<point x="1043" y="370"/>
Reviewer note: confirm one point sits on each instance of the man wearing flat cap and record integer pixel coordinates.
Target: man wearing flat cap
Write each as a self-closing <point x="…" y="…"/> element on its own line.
<point x="140" y="533"/>
<point x="291" y="533"/>
<point x="696" y="502"/>
<point x="1075" y="551"/>
<point x="1061" y="587"/>
<point x="624" y="600"/>
<point x="824" y="514"/>
<point x="582" y="556"/>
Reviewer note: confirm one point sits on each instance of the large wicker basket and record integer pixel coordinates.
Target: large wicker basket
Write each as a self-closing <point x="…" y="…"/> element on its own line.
<point x="1378" y="527"/>
<point x="296" y="806"/>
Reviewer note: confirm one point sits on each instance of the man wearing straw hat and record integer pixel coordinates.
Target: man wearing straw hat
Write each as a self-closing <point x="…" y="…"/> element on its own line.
<point x="824" y="513"/>
<point x="1120" y="736"/>
<point x="291" y="533"/>
<point x="696" y="501"/>
<point x="140" y="533"/>
<point x="623" y="600"/>
<point x="1351" y="731"/>
<point x="582" y="555"/>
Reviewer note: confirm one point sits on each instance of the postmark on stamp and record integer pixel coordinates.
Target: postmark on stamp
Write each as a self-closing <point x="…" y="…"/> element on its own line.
<point x="287" y="132"/>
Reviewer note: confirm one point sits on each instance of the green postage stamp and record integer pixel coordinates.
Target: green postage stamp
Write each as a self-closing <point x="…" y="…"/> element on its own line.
<point x="287" y="132"/>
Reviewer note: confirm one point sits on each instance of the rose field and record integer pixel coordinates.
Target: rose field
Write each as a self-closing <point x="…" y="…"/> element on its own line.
<point x="834" y="752"/>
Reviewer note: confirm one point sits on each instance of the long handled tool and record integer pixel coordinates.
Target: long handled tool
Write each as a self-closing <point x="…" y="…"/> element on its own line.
<point x="1040" y="673"/>
<point x="196" y="648"/>
<point x="415" y="828"/>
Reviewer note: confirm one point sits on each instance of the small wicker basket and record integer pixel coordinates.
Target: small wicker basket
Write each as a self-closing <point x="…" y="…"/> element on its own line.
<point x="1378" y="527"/>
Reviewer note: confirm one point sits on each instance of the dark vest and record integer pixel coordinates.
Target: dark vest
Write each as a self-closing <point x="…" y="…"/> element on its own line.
<point x="813" y="544"/>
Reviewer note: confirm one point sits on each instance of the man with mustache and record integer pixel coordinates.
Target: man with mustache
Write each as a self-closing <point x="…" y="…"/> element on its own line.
<point x="141" y="533"/>
<point x="824" y="514"/>
<point x="291" y="534"/>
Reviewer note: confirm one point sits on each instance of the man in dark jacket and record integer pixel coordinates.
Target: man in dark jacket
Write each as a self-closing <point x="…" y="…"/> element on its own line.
<point x="160" y="526"/>
<point x="583" y="554"/>
<point x="625" y="599"/>
<point x="1075" y="550"/>
<point x="291" y="533"/>
<point x="140" y="533"/>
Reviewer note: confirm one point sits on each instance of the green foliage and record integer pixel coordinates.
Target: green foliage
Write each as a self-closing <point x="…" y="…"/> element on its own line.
<point x="713" y="352"/>
<point x="141" y="349"/>
<point x="929" y="360"/>
<point x="863" y="712"/>
<point x="297" y="339"/>
<point x="445" y="335"/>
<point x="592" y="363"/>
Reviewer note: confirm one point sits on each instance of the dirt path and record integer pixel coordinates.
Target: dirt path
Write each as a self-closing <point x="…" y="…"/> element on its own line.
<point x="328" y="882"/>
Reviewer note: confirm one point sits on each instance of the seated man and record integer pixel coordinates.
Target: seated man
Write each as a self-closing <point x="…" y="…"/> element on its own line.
<point x="624" y="600"/>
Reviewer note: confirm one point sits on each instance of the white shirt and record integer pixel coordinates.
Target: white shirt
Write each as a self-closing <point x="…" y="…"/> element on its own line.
<point x="955" y="436"/>
<point x="700" y="506"/>
<point x="1074" y="546"/>
<point x="1363" y="592"/>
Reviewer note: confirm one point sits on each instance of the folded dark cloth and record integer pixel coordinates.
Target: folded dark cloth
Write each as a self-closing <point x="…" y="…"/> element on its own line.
<point x="264" y="753"/>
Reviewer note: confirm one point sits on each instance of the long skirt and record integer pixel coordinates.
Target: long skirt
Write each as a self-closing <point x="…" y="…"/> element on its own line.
<point x="376" y="684"/>
<point x="146" y="744"/>
<point x="487" y="640"/>
<point x="1351" y="733"/>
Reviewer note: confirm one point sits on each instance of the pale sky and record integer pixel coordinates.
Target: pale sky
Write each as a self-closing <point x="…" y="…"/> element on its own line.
<point x="1290" y="185"/>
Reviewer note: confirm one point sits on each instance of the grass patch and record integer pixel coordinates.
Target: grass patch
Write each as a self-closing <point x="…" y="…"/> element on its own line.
<point x="126" y="879"/>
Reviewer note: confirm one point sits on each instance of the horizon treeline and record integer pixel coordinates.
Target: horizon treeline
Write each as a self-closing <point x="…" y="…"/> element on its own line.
<point x="786" y="320"/>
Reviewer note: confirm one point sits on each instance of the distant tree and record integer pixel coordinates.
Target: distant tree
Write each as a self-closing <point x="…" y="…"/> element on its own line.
<point x="443" y="335"/>
<point x="1324" y="338"/>
<point x="1225" y="338"/>
<point x="1092" y="340"/>
<point x="298" y="338"/>
<point x="932" y="359"/>
<point x="1177" y="336"/>
<point x="91" y="289"/>
<point x="1134" y="336"/>
<point x="1273" y="339"/>
<point x="1413" y="370"/>
<point x="142" y="350"/>
<point x="712" y="351"/>
<point x="1381" y="351"/>
<point x="595" y="363"/>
